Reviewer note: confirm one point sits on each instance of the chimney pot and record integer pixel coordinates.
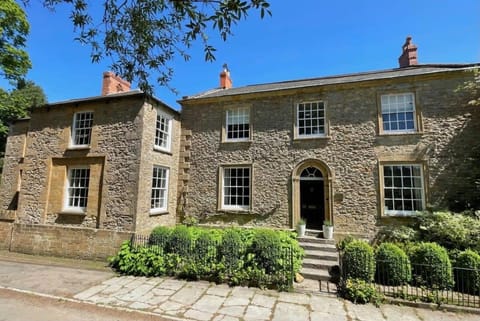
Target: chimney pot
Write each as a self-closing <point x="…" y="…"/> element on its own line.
<point x="225" y="80"/>
<point x="113" y="84"/>
<point x="409" y="54"/>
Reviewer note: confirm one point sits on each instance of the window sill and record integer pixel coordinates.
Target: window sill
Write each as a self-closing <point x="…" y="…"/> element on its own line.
<point x="158" y="212"/>
<point x="78" y="147"/>
<point x="325" y="137"/>
<point x="239" y="141"/>
<point x="235" y="211"/>
<point x="396" y="134"/>
<point x="73" y="211"/>
<point x="162" y="150"/>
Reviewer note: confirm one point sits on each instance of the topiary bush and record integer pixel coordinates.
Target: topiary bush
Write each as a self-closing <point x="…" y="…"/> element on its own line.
<point x="431" y="266"/>
<point x="467" y="274"/>
<point x="393" y="265"/>
<point x="231" y="250"/>
<point x="180" y="241"/>
<point x="358" y="261"/>
<point x="266" y="246"/>
<point x="160" y="236"/>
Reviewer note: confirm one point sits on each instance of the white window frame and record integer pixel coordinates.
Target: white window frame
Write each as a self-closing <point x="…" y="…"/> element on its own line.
<point x="159" y="189"/>
<point x="393" y="212"/>
<point x="318" y="103"/>
<point x="223" y="187"/>
<point x="386" y="107"/>
<point x="69" y="189"/>
<point x="238" y="113"/>
<point x="75" y="129"/>
<point x="161" y="116"/>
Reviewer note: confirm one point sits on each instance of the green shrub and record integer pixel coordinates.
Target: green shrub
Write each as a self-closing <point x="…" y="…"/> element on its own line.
<point x="393" y="265"/>
<point x="205" y="253"/>
<point x="267" y="246"/>
<point x="467" y="277"/>
<point x="452" y="231"/>
<point x="431" y="266"/>
<point x="145" y="261"/>
<point x="396" y="234"/>
<point x="359" y="291"/>
<point x="160" y="236"/>
<point x="231" y="250"/>
<point x="358" y="261"/>
<point x="180" y="241"/>
<point x="344" y="242"/>
<point x="289" y="240"/>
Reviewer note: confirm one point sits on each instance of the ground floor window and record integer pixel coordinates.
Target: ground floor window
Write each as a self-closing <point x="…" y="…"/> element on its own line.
<point x="403" y="190"/>
<point x="159" y="196"/>
<point x="77" y="189"/>
<point x="236" y="188"/>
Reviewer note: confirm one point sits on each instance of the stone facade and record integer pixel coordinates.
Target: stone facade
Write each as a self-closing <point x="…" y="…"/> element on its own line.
<point x="120" y="157"/>
<point x="349" y="155"/>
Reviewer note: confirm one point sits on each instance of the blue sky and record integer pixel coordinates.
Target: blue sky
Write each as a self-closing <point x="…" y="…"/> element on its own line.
<point x="302" y="39"/>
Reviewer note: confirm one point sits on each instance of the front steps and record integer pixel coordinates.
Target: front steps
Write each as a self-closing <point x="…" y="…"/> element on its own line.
<point x="320" y="256"/>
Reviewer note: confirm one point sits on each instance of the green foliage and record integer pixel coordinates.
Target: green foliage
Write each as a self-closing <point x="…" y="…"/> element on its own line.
<point x="180" y="241"/>
<point x="14" y="29"/>
<point x="467" y="277"/>
<point x="359" y="291"/>
<point x="393" y="265"/>
<point x="396" y="234"/>
<point x="253" y="257"/>
<point x="344" y="242"/>
<point x="143" y="38"/>
<point x="452" y="231"/>
<point x="190" y="220"/>
<point x="15" y="105"/>
<point x="431" y="266"/>
<point x="358" y="261"/>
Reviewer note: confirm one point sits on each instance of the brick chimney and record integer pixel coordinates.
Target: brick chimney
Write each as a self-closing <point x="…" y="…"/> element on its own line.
<point x="113" y="84"/>
<point x="409" y="54"/>
<point x="225" y="80"/>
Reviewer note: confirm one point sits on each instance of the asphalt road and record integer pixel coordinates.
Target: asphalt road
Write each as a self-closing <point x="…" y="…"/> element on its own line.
<point x="16" y="306"/>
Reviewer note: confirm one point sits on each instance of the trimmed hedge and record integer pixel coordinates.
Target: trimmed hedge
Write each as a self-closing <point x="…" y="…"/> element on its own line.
<point x="358" y="261"/>
<point x="254" y="257"/>
<point x="467" y="276"/>
<point x="431" y="266"/>
<point x="393" y="265"/>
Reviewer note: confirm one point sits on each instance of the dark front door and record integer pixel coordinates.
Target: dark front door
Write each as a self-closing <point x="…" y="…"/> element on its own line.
<point x="312" y="204"/>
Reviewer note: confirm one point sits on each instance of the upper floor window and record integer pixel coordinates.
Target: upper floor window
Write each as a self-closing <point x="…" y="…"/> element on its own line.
<point x="159" y="197"/>
<point x="311" y="119"/>
<point x="77" y="188"/>
<point x="398" y="113"/>
<point x="163" y="132"/>
<point x="403" y="189"/>
<point x="82" y="128"/>
<point x="236" y="183"/>
<point x="238" y="124"/>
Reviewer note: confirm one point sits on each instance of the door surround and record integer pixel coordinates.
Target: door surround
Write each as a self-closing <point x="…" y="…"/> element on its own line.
<point x="327" y="188"/>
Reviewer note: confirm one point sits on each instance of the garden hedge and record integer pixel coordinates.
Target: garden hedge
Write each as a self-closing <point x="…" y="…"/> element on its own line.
<point x="431" y="266"/>
<point x="393" y="265"/>
<point x="358" y="261"/>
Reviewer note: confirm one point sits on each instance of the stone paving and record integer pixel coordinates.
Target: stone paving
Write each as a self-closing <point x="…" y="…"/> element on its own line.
<point x="205" y="301"/>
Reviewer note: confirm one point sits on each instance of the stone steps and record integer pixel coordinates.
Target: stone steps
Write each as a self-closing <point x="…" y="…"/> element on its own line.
<point x="320" y="256"/>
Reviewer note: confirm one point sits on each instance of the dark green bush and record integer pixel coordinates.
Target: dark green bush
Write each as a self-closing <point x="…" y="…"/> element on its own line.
<point x="180" y="241"/>
<point x="467" y="276"/>
<point x="160" y="236"/>
<point x="344" y="242"/>
<point x="145" y="261"/>
<point x="393" y="265"/>
<point x="450" y="230"/>
<point x="431" y="266"/>
<point x="359" y="291"/>
<point x="358" y="261"/>
<point x="267" y="246"/>
<point x="231" y="250"/>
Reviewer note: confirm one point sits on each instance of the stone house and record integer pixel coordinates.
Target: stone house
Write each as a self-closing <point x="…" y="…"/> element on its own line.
<point x="360" y="150"/>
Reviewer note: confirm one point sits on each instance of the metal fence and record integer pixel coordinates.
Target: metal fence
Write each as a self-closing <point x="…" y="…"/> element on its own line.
<point x="276" y="270"/>
<point x="423" y="282"/>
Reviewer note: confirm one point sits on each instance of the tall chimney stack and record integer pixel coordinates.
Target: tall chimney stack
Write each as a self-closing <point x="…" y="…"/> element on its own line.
<point x="225" y="80"/>
<point x="113" y="84"/>
<point x="409" y="54"/>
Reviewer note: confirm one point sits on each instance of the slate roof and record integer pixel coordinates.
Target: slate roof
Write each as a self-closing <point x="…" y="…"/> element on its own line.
<point x="330" y="80"/>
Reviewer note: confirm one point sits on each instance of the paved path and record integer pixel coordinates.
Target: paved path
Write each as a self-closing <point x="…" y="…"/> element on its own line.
<point x="209" y="302"/>
<point x="199" y="301"/>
